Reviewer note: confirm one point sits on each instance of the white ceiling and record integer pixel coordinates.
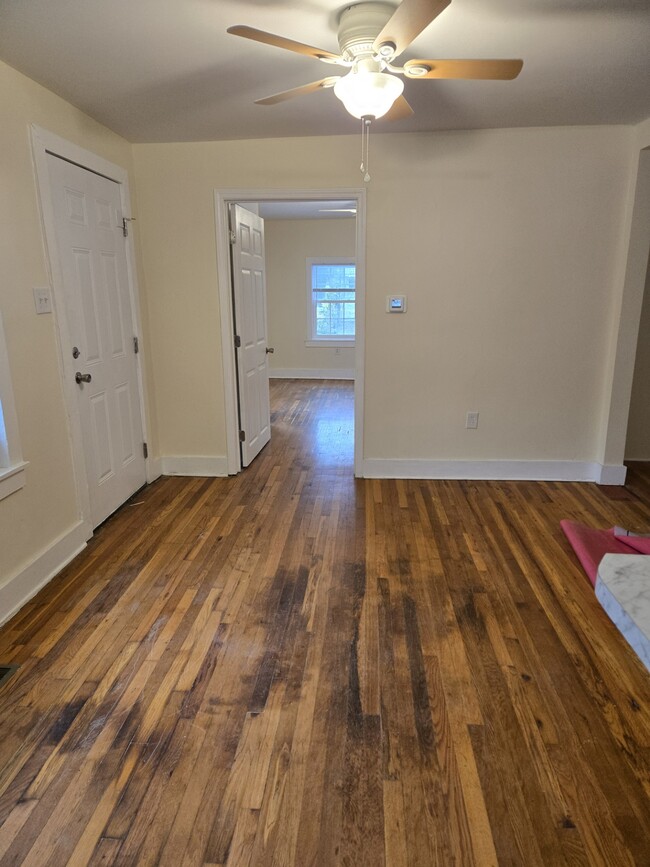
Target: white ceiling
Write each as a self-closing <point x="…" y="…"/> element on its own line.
<point x="306" y="210"/>
<point x="166" y="70"/>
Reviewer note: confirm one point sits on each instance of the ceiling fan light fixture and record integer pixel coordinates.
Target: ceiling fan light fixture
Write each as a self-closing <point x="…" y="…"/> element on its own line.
<point x="368" y="94"/>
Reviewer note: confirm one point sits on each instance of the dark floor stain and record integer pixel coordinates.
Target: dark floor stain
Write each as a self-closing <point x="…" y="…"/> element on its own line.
<point x="65" y="720"/>
<point x="421" y="703"/>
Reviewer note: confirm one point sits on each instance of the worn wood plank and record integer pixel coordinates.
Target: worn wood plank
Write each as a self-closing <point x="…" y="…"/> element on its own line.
<point x="293" y="667"/>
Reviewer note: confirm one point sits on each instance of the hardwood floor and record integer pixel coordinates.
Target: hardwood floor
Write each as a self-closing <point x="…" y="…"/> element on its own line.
<point x="293" y="667"/>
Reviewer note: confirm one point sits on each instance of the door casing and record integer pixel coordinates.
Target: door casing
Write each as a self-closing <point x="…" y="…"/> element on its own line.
<point x="44" y="142"/>
<point x="223" y="198"/>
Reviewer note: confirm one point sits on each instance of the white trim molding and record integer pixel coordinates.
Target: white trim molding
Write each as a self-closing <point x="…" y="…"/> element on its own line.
<point x="30" y="579"/>
<point x="328" y="343"/>
<point x="611" y="474"/>
<point x="12" y="465"/>
<point x="194" y="465"/>
<point x="534" y="471"/>
<point x="12" y="479"/>
<point x="311" y="373"/>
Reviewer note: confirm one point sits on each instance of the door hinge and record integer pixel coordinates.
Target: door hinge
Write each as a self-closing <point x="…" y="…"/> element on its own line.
<point x="233" y="236"/>
<point x="242" y="436"/>
<point x="124" y="226"/>
<point x="237" y="341"/>
<point x="145" y="450"/>
<point x="136" y="345"/>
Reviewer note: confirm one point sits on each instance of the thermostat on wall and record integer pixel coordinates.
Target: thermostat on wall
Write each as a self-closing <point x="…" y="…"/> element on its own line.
<point x="396" y="303"/>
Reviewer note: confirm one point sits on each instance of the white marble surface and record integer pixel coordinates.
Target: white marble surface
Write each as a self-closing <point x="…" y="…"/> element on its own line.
<point x="623" y="589"/>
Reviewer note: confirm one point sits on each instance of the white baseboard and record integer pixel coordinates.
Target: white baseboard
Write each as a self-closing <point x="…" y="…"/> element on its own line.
<point x="26" y="583"/>
<point x="546" y="471"/>
<point x="194" y="465"/>
<point x="311" y="373"/>
<point x="611" y="474"/>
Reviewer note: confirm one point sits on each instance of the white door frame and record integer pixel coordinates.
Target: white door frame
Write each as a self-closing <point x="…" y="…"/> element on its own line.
<point x="44" y="143"/>
<point x="222" y="199"/>
<point x="619" y="389"/>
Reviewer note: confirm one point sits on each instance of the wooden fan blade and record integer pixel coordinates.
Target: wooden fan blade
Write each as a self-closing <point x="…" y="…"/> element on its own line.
<point x="501" y="70"/>
<point x="281" y="42"/>
<point x="399" y="110"/>
<point x="298" y="91"/>
<point x="408" y="21"/>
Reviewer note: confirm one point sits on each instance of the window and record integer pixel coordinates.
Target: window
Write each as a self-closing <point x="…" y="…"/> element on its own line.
<point x="331" y="284"/>
<point x="12" y="466"/>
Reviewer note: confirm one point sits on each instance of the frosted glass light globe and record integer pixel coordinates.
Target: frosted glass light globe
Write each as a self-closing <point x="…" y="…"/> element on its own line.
<point x="368" y="94"/>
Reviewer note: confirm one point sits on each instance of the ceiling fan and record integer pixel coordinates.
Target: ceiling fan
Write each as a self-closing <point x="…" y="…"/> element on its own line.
<point x="371" y="36"/>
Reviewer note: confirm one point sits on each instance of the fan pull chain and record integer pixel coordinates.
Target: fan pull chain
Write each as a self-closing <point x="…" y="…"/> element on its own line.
<point x="365" y="148"/>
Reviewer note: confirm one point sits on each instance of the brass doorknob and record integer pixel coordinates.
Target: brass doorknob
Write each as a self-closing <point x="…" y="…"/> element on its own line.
<point x="82" y="377"/>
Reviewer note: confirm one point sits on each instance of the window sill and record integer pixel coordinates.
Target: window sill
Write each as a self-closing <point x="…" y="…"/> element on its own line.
<point x="327" y="342"/>
<point x="12" y="479"/>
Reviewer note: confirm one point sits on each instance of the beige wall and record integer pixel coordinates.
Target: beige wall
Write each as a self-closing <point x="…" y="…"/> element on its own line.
<point x="45" y="509"/>
<point x="289" y="243"/>
<point x="506" y="243"/>
<point x="509" y="244"/>
<point x="179" y="257"/>
<point x="637" y="447"/>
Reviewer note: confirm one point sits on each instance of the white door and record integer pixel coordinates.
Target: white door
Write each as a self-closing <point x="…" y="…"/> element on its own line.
<point x="92" y="257"/>
<point x="249" y="291"/>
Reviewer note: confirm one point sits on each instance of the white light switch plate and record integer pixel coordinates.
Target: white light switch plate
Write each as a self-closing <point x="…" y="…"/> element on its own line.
<point x="42" y="299"/>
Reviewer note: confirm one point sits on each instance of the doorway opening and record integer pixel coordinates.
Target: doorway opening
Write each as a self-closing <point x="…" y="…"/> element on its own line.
<point x="313" y="303"/>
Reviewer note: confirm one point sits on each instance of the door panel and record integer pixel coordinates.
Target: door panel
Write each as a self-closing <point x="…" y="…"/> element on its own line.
<point x="92" y="256"/>
<point x="249" y="291"/>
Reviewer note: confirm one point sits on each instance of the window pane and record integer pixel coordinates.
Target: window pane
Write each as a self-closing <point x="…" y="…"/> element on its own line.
<point x="333" y="276"/>
<point x="336" y="318"/>
<point x="333" y="295"/>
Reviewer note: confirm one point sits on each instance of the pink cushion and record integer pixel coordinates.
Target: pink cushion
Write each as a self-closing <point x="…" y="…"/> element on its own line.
<point x="591" y="545"/>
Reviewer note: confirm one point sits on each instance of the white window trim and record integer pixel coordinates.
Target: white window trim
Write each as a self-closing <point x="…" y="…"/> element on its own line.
<point x="12" y="465"/>
<point x="324" y="342"/>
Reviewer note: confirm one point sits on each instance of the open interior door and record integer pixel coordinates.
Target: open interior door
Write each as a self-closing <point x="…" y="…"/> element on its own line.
<point x="251" y="339"/>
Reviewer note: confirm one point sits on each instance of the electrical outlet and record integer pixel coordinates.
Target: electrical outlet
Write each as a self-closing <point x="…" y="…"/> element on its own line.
<point x="42" y="299"/>
<point x="471" y="422"/>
